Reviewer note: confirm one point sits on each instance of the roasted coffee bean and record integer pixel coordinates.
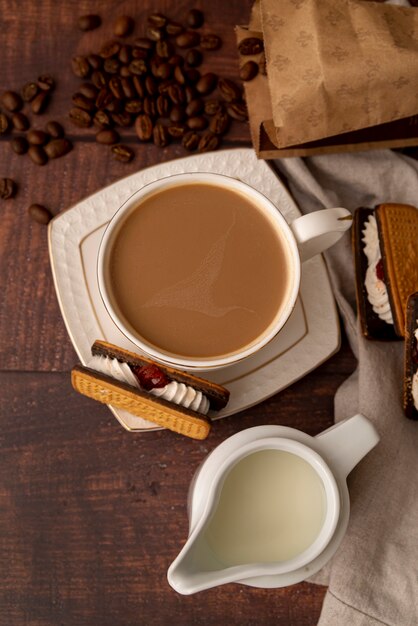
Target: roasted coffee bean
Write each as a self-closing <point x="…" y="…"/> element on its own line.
<point x="80" y="66"/>
<point x="138" y="53"/>
<point x="229" y="90"/>
<point x="194" y="107"/>
<point x="177" y="114"/>
<point x="194" y="58"/>
<point x="122" y="119"/>
<point x="111" y="66"/>
<point x="95" y="61"/>
<point x="4" y="123"/>
<point x="160" y="135"/>
<point x="143" y="127"/>
<point x="37" y="137"/>
<point x="38" y="155"/>
<point x="176" y="94"/>
<point x="89" y="22"/>
<point x="197" y="123"/>
<point x="173" y="29"/>
<point x="157" y="19"/>
<point x="176" y="59"/>
<point x="150" y="106"/>
<point x="104" y="98"/>
<point x="188" y="39"/>
<point x="179" y="75"/>
<point x="164" y="71"/>
<point x="125" y="154"/>
<point x="46" y="82"/>
<point x="82" y="102"/>
<point x="116" y="87"/>
<point x="29" y="91"/>
<point x="20" y="121"/>
<point x="238" y="111"/>
<point x="164" y="49"/>
<point x="139" y="86"/>
<point x="155" y="65"/>
<point x="8" y="188"/>
<point x="19" y="145"/>
<point x="108" y="137"/>
<point x="109" y="49"/>
<point x="208" y="142"/>
<point x="102" y="120"/>
<point x="195" y="18"/>
<point x="212" y="107"/>
<point x="88" y="90"/>
<point x="124" y="71"/>
<point x="207" y="83"/>
<point x="40" y="102"/>
<point x="125" y="54"/>
<point x="55" y="130"/>
<point x="210" y="42"/>
<point x="128" y="88"/>
<point x="177" y="130"/>
<point x="191" y="94"/>
<point x="192" y="75"/>
<point x="154" y="33"/>
<point x="219" y="123"/>
<point x="190" y="140"/>
<point x="11" y="101"/>
<point x="114" y="106"/>
<point x="163" y="105"/>
<point x="164" y="85"/>
<point x="98" y="79"/>
<point x="124" y="26"/>
<point x="40" y="214"/>
<point x="250" y="45"/>
<point x="144" y="43"/>
<point x="80" y="118"/>
<point x="134" y="106"/>
<point x="262" y="64"/>
<point x="151" y="86"/>
<point x="58" y="148"/>
<point x="248" y="71"/>
<point x="138" y="67"/>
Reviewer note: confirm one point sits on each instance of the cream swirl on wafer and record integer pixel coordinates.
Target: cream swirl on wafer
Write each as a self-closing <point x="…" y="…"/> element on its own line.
<point x="377" y="292"/>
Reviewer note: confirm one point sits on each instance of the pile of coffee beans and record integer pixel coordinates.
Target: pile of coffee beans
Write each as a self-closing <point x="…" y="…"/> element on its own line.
<point x="153" y="84"/>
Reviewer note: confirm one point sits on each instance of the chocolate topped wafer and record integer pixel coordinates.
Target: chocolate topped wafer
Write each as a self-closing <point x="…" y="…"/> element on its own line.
<point x="410" y="388"/>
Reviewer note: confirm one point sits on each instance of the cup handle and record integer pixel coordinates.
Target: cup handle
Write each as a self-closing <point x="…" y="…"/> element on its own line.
<point x="318" y="231"/>
<point x="347" y="442"/>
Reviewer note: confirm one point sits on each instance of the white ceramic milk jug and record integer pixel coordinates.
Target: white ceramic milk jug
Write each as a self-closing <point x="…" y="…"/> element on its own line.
<point x="270" y="506"/>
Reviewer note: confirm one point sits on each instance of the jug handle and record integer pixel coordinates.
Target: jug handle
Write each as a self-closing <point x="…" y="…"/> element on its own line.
<point x="347" y="442"/>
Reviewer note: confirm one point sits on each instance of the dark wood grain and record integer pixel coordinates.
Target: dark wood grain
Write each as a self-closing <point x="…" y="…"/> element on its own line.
<point x="91" y="516"/>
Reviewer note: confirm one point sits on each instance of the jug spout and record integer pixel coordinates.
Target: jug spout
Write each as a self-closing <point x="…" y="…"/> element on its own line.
<point x="347" y="442"/>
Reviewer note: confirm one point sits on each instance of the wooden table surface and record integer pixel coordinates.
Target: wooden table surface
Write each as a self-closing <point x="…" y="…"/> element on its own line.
<point x="91" y="515"/>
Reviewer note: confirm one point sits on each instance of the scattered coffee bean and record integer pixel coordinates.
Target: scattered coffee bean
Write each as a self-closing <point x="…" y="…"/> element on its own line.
<point x="40" y="102"/>
<point x="157" y="19"/>
<point x="80" y="118"/>
<point x="195" y="18"/>
<point x="212" y="107"/>
<point x="207" y="83"/>
<point x="46" y="82"/>
<point x="194" y="58"/>
<point x="177" y="130"/>
<point x="164" y="71"/>
<point x="124" y="26"/>
<point x="37" y="137"/>
<point x="89" y="22"/>
<point x="193" y="75"/>
<point x="122" y="153"/>
<point x="190" y="141"/>
<point x="163" y="105"/>
<point x="38" y="155"/>
<point x="176" y="93"/>
<point x="197" y="123"/>
<point x="189" y="39"/>
<point x="111" y="66"/>
<point x="8" y="188"/>
<point x="4" y="123"/>
<point x="125" y="54"/>
<point x="109" y="49"/>
<point x="230" y="91"/>
<point x="82" y="102"/>
<point x="88" y="90"/>
<point x="134" y="106"/>
<point x="29" y="91"/>
<point x="250" y="45"/>
<point x="58" y="148"/>
<point x="138" y="67"/>
<point x="144" y="43"/>
<point x="20" y="145"/>
<point x="208" y="142"/>
<point x="179" y="75"/>
<point x="173" y="29"/>
<point x="194" y="107"/>
<point x="177" y="114"/>
<point x="123" y="119"/>
<point x="95" y="61"/>
<point x="80" y="66"/>
<point x="99" y="79"/>
<point x="155" y="34"/>
<point x="39" y="213"/>
<point x="210" y="42"/>
<point x="54" y="129"/>
<point x="143" y="127"/>
<point x="128" y="88"/>
<point x="20" y="121"/>
<point x="11" y="101"/>
<point x="107" y="137"/>
<point x="151" y="86"/>
<point x="219" y="123"/>
<point x="116" y="87"/>
<point x="238" y="111"/>
<point x="176" y="59"/>
<point x="164" y="49"/>
<point x="102" y="120"/>
<point x="114" y="106"/>
<point x="150" y="107"/>
<point x="248" y="71"/>
<point x="160" y="135"/>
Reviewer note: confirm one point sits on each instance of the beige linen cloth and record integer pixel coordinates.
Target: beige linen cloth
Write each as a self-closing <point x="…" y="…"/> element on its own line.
<point x="373" y="577"/>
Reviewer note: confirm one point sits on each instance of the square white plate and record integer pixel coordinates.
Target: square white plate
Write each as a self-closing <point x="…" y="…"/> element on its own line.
<point x="310" y="336"/>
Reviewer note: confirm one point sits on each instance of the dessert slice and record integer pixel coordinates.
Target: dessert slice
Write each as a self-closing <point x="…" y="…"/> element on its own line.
<point x="410" y="388"/>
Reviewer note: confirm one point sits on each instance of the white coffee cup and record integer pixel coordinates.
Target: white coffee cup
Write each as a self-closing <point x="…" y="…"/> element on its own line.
<point x="306" y="236"/>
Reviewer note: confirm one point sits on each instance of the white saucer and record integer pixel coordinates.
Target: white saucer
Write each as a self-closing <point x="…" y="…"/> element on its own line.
<point x="310" y="336"/>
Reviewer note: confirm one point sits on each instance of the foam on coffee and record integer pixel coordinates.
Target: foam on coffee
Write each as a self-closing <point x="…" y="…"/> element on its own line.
<point x="197" y="270"/>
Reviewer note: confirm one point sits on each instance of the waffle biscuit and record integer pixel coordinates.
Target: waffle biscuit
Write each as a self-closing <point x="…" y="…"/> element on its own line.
<point x="398" y="234"/>
<point x="106" y="389"/>
<point x="411" y="356"/>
